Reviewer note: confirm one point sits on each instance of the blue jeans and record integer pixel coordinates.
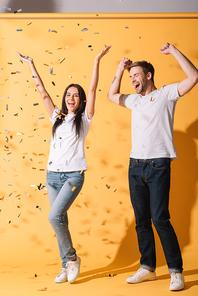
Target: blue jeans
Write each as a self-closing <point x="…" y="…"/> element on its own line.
<point x="149" y="184"/>
<point x="63" y="188"/>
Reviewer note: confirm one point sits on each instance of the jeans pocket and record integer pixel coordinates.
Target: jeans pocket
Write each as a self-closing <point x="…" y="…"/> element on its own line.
<point x="132" y="163"/>
<point x="161" y="164"/>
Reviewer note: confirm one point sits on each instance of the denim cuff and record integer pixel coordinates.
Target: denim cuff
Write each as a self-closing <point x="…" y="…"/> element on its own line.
<point x="171" y="270"/>
<point x="148" y="267"/>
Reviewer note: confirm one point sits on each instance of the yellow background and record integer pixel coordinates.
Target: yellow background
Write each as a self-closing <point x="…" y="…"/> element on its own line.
<point x="101" y="219"/>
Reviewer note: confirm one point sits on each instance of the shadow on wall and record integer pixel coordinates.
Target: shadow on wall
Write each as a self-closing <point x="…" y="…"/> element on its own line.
<point x="36" y="6"/>
<point x="182" y="200"/>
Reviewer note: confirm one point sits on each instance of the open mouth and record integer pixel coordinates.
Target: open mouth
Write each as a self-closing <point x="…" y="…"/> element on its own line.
<point x="136" y="86"/>
<point x="71" y="104"/>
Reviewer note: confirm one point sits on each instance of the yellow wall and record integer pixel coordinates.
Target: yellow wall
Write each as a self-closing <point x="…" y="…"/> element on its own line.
<point x="101" y="219"/>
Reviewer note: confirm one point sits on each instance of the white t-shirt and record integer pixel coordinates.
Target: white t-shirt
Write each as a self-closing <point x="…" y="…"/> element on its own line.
<point x="67" y="150"/>
<point x="152" y="123"/>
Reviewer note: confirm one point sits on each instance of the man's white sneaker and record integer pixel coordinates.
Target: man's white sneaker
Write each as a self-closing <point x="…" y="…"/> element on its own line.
<point x="62" y="277"/>
<point x="73" y="269"/>
<point x="177" y="281"/>
<point x="142" y="275"/>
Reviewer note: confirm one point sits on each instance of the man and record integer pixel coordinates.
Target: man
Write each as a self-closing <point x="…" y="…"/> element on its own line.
<point x="152" y="151"/>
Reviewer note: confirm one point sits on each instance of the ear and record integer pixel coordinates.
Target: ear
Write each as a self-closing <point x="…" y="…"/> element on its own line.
<point x="149" y="76"/>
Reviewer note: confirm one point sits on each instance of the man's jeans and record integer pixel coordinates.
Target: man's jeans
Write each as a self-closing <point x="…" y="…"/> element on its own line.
<point x="63" y="188"/>
<point x="149" y="184"/>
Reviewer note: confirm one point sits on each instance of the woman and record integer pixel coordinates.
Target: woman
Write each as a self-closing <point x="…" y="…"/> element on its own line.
<point x="66" y="163"/>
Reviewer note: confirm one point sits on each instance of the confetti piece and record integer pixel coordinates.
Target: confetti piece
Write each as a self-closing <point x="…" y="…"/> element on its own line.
<point x="36" y="104"/>
<point x="84" y="30"/>
<point x="110" y="274"/>
<point x="73" y="188"/>
<point x="51" y="70"/>
<point x="53" y="83"/>
<point x="29" y="24"/>
<point x="108" y="187"/>
<point x="115" y="190"/>
<point x="7" y="8"/>
<point x="54" y="31"/>
<point x="19" y="30"/>
<point x="5" y="159"/>
<point x="44" y="289"/>
<point x="19" y="10"/>
<point x="81" y="171"/>
<point x="19" y="134"/>
<point x="62" y="60"/>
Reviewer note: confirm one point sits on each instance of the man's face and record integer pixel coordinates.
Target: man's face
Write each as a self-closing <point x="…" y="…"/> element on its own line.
<point x="139" y="80"/>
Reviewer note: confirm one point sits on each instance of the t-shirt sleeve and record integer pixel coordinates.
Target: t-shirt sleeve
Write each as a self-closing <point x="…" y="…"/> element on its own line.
<point x="127" y="100"/>
<point x="86" y="119"/>
<point x="54" y="115"/>
<point x="171" y="92"/>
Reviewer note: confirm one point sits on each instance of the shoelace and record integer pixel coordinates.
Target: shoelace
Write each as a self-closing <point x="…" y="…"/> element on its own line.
<point x="140" y="271"/>
<point x="174" y="278"/>
<point x="64" y="270"/>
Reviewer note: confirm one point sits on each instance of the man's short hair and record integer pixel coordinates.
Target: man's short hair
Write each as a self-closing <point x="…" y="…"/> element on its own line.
<point x="147" y="67"/>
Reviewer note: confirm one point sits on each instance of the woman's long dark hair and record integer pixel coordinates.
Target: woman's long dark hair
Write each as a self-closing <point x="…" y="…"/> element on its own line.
<point x="81" y="108"/>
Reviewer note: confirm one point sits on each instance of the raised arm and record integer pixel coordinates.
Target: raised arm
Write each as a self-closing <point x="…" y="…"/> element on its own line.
<point x="114" y="94"/>
<point x="39" y="84"/>
<point x="91" y="97"/>
<point x="189" y="69"/>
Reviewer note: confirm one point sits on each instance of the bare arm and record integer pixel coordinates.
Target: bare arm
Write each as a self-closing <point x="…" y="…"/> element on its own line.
<point x="49" y="105"/>
<point x="114" y="94"/>
<point x="94" y="83"/>
<point x="189" y="69"/>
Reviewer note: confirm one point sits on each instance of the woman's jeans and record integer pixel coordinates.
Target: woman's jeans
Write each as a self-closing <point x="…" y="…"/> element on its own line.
<point x="149" y="184"/>
<point x="63" y="188"/>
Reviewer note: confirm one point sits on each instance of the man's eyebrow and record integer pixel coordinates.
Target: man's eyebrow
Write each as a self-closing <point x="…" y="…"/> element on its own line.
<point x="134" y="74"/>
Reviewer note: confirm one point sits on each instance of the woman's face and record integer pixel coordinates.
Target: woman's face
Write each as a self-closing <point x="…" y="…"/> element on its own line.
<point x="72" y="100"/>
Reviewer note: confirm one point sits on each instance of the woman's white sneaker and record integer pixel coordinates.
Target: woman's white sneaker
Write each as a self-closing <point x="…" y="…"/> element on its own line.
<point x="177" y="281"/>
<point x="62" y="277"/>
<point x="73" y="269"/>
<point x="142" y="275"/>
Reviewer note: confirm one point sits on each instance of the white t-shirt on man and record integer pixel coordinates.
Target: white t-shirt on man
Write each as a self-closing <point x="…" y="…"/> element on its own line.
<point x="67" y="150"/>
<point x="152" y="123"/>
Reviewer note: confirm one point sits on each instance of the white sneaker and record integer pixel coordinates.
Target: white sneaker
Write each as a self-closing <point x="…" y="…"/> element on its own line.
<point x="62" y="277"/>
<point x="177" y="281"/>
<point x="73" y="269"/>
<point x="142" y="275"/>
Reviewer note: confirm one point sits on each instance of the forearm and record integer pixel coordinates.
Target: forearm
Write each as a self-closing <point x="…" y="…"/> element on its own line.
<point x="116" y="83"/>
<point x="37" y="79"/>
<point x="49" y="105"/>
<point x="189" y="69"/>
<point x="95" y="76"/>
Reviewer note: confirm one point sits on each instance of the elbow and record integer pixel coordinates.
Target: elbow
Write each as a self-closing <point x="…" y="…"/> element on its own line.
<point x="109" y="96"/>
<point x="195" y="77"/>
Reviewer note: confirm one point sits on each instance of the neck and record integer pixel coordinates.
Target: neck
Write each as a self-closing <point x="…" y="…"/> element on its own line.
<point x="149" y="90"/>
